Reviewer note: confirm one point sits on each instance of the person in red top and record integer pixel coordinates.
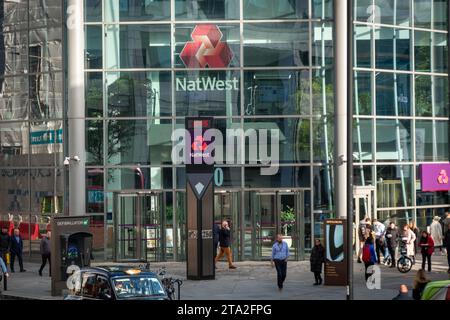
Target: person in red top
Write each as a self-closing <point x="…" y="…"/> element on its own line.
<point x="426" y="244"/>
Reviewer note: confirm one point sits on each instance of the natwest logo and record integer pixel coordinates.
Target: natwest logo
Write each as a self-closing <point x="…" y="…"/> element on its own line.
<point x="443" y="177"/>
<point x="206" y="49"/>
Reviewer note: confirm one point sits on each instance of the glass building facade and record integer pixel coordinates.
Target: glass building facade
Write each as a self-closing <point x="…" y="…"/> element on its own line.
<point x="278" y="73"/>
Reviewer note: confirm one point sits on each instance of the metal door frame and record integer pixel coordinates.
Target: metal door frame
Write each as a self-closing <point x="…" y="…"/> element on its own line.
<point x="138" y="195"/>
<point x="367" y="194"/>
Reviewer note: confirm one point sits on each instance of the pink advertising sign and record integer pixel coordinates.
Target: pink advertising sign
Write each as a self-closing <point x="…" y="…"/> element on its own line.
<point x="435" y="176"/>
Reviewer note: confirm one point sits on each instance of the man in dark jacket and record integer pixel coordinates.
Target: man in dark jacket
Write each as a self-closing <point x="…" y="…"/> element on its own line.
<point x="225" y="243"/>
<point x="403" y="294"/>
<point x="45" y="249"/>
<point x="317" y="259"/>
<point x="216" y="233"/>
<point x="16" y="250"/>
<point x="392" y="237"/>
<point x="5" y="243"/>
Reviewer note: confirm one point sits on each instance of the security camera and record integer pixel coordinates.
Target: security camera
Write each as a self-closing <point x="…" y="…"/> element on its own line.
<point x="77" y="158"/>
<point x="66" y="161"/>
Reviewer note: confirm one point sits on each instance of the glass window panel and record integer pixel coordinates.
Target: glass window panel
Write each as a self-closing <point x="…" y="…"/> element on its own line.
<point x="14" y="191"/>
<point x="281" y="92"/>
<point x="363" y="43"/>
<point x="441" y="108"/>
<point x="323" y="134"/>
<point x="139" y="94"/>
<point x="46" y="198"/>
<point x="93" y="10"/>
<point x="14" y="144"/>
<point x="46" y="49"/>
<point x="294" y="144"/>
<point x="14" y="100"/>
<point x="13" y="53"/>
<point x="423" y="96"/>
<point x="206" y="9"/>
<point x="322" y="9"/>
<point x="139" y="178"/>
<point x="441" y="140"/>
<point x="286" y="177"/>
<point x="281" y="9"/>
<point x="281" y="44"/>
<point x="94" y="142"/>
<point x="323" y="91"/>
<point x="207" y="93"/>
<point x="440" y="52"/>
<point x="394" y="186"/>
<point x="393" y="12"/>
<point x="424" y="140"/>
<point x="363" y="93"/>
<point x="95" y="195"/>
<point x="15" y="15"/>
<point x="362" y="140"/>
<point x="46" y="95"/>
<point x="136" y="10"/>
<point x="94" y="49"/>
<point x="363" y="176"/>
<point x="393" y="94"/>
<point x="226" y="52"/>
<point x="94" y="94"/>
<point x="392" y="49"/>
<point x="139" y="141"/>
<point x="363" y="10"/>
<point x="399" y="217"/>
<point x="393" y="140"/>
<point x="422" y="13"/>
<point x="46" y="140"/>
<point x="42" y="13"/>
<point x="440" y="14"/>
<point x="323" y="188"/>
<point x="322" y="44"/>
<point x="422" y="50"/>
<point x="137" y="46"/>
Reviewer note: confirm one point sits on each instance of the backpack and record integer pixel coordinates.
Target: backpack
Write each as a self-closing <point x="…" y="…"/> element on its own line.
<point x="366" y="256"/>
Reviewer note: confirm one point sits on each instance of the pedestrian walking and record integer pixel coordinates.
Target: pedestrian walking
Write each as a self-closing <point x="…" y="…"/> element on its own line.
<point x="409" y="237"/>
<point x="447" y="246"/>
<point x="392" y="238"/>
<point x="413" y="227"/>
<point x="45" y="249"/>
<point x="369" y="256"/>
<point x="380" y="231"/>
<point x="3" y="267"/>
<point x="363" y="224"/>
<point x="317" y="259"/>
<point x="5" y="244"/>
<point x="436" y="233"/>
<point x="225" y="244"/>
<point x="216" y="233"/>
<point x="280" y="255"/>
<point x="420" y="282"/>
<point x="426" y="244"/>
<point x="16" y="250"/>
<point x="403" y="293"/>
<point x="447" y="222"/>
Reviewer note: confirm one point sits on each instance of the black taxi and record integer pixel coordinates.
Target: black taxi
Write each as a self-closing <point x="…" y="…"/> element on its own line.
<point x="115" y="283"/>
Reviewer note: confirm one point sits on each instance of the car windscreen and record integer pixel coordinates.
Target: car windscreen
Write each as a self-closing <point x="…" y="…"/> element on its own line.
<point x="137" y="286"/>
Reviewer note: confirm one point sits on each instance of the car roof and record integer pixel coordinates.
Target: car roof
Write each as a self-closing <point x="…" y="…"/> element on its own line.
<point x="117" y="271"/>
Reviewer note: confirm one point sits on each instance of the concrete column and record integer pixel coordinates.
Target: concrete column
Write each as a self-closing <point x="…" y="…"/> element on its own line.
<point x="76" y="107"/>
<point x="341" y="76"/>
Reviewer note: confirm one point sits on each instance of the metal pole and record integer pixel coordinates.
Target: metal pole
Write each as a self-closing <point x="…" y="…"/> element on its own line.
<point x="350" y="152"/>
<point x="76" y="106"/>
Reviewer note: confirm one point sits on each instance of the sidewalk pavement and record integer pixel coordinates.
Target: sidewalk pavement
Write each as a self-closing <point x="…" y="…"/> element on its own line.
<point x="250" y="281"/>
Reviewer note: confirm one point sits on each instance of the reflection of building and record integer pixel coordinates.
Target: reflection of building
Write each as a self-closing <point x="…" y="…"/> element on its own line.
<point x="281" y="77"/>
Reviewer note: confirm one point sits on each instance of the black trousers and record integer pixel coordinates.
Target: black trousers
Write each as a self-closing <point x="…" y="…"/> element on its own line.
<point x="367" y="265"/>
<point x="379" y="249"/>
<point x="46" y="257"/>
<point x="318" y="277"/>
<point x="13" y="259"/>
<point x="448" y="257"/>
<point x="281" y="267"/>
<point x="392" y="253"/>
<point x="426" y="256"/>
